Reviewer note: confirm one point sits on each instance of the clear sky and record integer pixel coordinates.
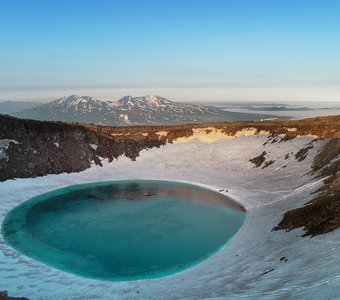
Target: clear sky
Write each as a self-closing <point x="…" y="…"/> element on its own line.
<point x="284" y="50"/>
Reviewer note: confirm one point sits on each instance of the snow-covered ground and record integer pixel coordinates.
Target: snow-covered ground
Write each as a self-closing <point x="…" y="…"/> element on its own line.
<point x="248" y="267"/>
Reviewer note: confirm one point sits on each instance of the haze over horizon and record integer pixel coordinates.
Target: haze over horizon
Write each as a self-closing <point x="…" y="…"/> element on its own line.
<point x="182" y="50"/>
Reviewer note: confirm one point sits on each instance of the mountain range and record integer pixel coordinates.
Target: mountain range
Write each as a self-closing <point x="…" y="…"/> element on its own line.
<point x="145" y="110"/>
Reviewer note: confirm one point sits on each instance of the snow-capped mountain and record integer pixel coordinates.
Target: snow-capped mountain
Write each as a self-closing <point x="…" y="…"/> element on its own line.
<point x="129" y="111"/>
<point x="72" y="108"/>
<point x="158" y="110"/>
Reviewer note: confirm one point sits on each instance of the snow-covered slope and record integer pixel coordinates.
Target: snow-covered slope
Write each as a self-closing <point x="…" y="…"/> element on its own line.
<point x="130" y="111"/>
<point x="268" y="167"/>
<point x="250" y="266"/>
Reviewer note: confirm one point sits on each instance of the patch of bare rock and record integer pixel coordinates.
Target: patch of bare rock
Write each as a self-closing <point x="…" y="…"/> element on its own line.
<point x="4" y="296"/>
<point x="259" y="160"/>
<point x="322" y="214"/>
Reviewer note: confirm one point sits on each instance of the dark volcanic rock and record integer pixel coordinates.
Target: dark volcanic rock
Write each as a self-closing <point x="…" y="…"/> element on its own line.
<point x="329" y="152"/>
<point x="43" y="148"/>
<point x="4" y="296"/>
<point x="264" y="273"/>
<point x="268" y="163"/>
<point x="259" y="160"/>
<point x="302" y="153"/>
<point x="322" y="214"/>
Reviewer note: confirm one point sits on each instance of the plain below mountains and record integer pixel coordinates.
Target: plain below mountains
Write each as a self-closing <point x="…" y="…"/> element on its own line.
<point x="145" y="110"/>
<point x="7" y="107"/>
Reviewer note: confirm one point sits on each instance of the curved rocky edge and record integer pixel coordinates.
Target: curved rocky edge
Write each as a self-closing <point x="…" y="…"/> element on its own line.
<point x="269" y="265"/>
<point x="31" y="148"/>
<point x="37" y="148"/>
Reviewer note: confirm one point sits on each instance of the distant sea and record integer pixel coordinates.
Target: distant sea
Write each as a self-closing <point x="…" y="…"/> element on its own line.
<point x="296" y="110"/>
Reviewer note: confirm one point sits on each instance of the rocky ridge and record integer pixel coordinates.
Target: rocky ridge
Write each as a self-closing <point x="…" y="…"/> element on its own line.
<point x="34" y="148"/>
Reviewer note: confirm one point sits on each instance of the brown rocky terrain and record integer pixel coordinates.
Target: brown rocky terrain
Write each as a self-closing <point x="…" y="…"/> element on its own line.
<point x="55" y="147"/>
<point x="36" y="148"/>
<point x="322" y="214"/>
<point x="4" y="296"/>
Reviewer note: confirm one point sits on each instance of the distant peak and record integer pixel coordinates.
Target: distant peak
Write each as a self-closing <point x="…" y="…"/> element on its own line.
<point x="74" y="100"/>
<point x="75" y="97"/>
<point x="124" y="99"/>
<point x="71" y="97"/>
<point x="127" y="97"/>
<point x="149" y="96"/>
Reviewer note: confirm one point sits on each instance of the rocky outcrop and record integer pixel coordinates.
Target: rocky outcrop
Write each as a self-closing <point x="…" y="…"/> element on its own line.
<point x="259" y="160"/>
<point x="322" y="214"/>
<point x="4" y="296"/>
<point x="302" y="153"/>
<point x="42" y="148"/>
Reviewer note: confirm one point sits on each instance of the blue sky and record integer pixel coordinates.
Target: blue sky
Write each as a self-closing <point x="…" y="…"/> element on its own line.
<point x="185" y="50"/>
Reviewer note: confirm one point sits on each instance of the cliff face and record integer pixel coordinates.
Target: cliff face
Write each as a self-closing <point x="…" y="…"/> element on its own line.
<point x="322" y="214"/>
<point x="34" y="148"/>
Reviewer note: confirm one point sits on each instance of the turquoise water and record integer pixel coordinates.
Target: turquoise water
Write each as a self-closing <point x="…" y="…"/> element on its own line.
<point x="112" y="231"/>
